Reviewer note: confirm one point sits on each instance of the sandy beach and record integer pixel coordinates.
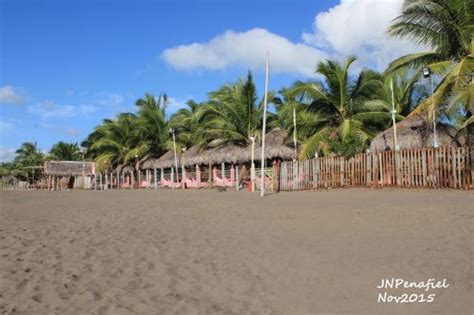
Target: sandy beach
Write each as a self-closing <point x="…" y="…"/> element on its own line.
<point x="210" y="252"/>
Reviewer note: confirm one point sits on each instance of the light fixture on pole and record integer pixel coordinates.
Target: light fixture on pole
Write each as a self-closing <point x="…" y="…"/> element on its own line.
<point x="428" y="74"/>
<point x="262" y="162"/>
<point x="175" y="155"/>
<point x="252" y="166"/>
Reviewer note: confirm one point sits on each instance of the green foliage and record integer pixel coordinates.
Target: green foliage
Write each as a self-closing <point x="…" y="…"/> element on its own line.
<point x="447" y="27"/>
<point x="63" y="151"/>
<point x="232" y="114"/>
<point x="335" y="109"/>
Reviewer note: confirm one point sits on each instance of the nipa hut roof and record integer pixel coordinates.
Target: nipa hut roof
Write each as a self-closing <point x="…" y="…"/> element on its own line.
<point x="69" y="168"/>
<point x="275" y="147"/>
<point x="164" y="161"/>
<point x="415" y="132"/>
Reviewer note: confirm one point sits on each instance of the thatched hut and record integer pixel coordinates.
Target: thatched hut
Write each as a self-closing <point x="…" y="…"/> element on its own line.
<point x="275" y="148"/>
<point x="60" y="171"/>
<point x="416" y="132"/>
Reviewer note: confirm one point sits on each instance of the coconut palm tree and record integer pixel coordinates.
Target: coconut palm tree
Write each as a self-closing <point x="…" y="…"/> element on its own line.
<point x="152" y="124"/>
<point x="63" y="151"/>
<point x="400" y="89"/>
<point x="447" y="27"/>
<point x="186" y="123"/>
<point x="118" y="142"/>
<point x="336" y="109"/>
<point x="232" y="114"/>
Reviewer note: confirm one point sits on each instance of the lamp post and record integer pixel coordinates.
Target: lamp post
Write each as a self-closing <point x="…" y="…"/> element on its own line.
<point x="428" y="74"/>
<point x="175" y="155"/>
<point x="252" y="166"/>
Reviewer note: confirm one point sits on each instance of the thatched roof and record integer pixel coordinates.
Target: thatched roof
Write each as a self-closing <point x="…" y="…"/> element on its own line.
<point x="275" y="147"/>
<point x="415" y="132"/>
<point x="69" y="168"/>
<point x="164" y="161"/>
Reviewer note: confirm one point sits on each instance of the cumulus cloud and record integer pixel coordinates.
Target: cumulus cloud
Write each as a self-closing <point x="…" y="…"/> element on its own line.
<point x="48" y="109"/>
<point x="351" y="27"/>
<point x="11" y="95"/>
<point x="6" y="154"/>
<point x="245" y="49"/>
<point x="360" y="28"/>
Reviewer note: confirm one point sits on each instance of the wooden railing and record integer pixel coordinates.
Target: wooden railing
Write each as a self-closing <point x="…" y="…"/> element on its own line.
<point x="446" y="167"/>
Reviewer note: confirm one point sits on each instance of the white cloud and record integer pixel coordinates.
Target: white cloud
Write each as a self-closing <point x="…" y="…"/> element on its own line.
<point x="48" y="109"/>
<point x="10" y="95"/>
<point x="246" y="49"/>
<point x="351" y="27"/>
<point x="360" y="28"/>
<point x="6" y="154"/>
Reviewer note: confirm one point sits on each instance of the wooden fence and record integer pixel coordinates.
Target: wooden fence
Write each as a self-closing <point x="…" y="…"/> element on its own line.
<point x="446" y="167"/>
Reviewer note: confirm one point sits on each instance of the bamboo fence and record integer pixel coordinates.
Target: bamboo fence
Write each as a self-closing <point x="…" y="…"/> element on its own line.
<point x="445" y="167"/>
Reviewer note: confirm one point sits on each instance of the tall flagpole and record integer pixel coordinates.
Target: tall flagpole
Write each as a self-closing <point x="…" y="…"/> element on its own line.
<point x="262" y="175"/>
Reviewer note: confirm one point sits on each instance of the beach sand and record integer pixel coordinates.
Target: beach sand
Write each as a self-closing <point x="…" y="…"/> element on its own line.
<point x="210" y="252"/>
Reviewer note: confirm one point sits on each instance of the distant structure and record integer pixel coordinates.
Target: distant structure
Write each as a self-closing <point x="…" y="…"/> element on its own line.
<point x="78" y="174"/>
<point x="416" y="132"/>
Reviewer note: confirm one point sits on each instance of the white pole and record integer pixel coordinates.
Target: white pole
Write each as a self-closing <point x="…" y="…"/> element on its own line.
<point x="252" y="166"/>
<point x="262" y="175"/>
<point x="175" y="157"/>
<point x="435" y="136"/>
<point x="294" y="132"/>
<point x="395" y="142"/>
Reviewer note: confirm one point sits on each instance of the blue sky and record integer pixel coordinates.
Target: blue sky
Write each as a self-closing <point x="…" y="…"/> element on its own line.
<point x="66" y="65"/>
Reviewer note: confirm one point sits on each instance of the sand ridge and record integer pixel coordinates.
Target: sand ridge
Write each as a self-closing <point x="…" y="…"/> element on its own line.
<point x="209" y="252"/>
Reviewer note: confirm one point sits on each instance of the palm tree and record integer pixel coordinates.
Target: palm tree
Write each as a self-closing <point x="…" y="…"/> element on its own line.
<point x="152" y="124"/>
<point x="400" y="88"/>
<point x="118" y="142"/>
<point x="28" y="155"/>
<point x="63" y="151"/>
<point x="232" y="114"/>
<point x="337" y="109"/>
<point x="447" y="27"/>
<point x="186" y="123"/>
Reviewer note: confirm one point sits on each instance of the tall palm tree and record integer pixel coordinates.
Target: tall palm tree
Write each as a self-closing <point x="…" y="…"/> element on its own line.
<point x="186" y="123"/>
<point x="232" y="114"/>
<point x="400" y="89"/>
<point x="152" y="123"/>
<point x="447" y="27"/>
<point x="63" y="151"/>
<point x="336" y="109"/>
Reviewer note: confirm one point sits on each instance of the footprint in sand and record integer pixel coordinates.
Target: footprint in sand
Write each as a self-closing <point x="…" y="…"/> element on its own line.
<point x="37" y="297"/>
